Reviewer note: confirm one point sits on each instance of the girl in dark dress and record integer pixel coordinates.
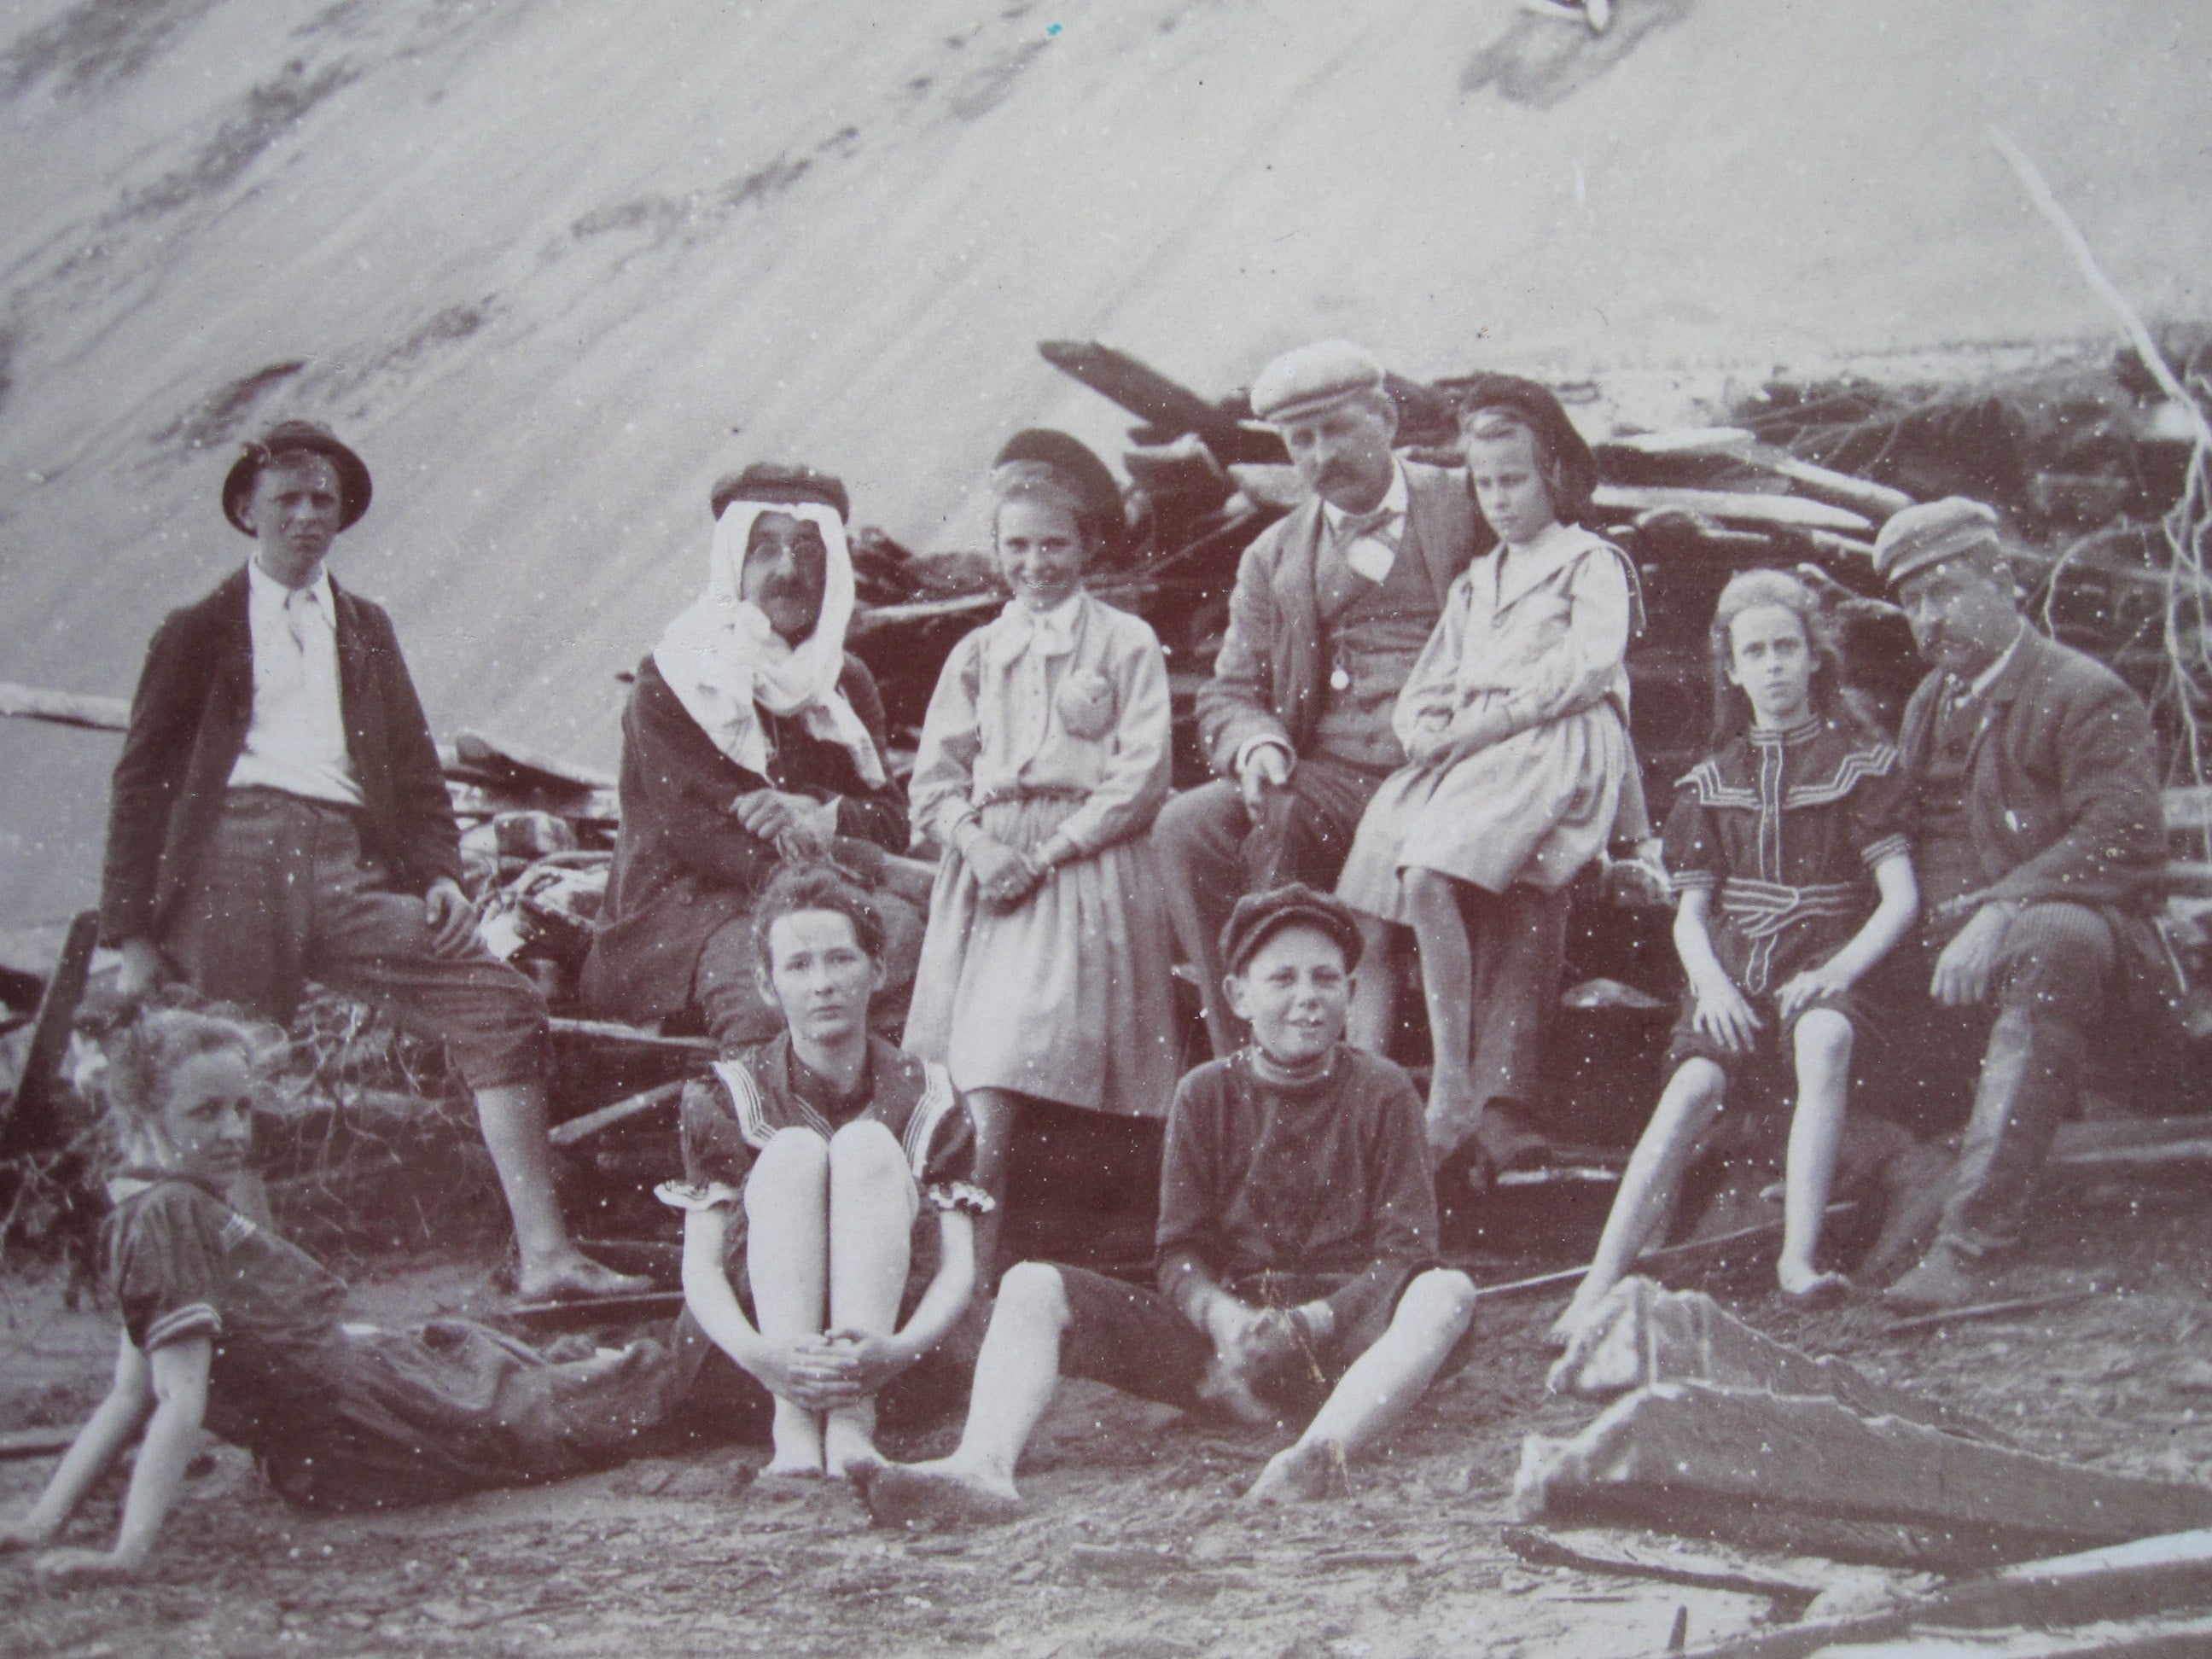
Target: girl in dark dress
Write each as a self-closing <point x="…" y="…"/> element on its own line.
<point x="1788" y="846"/>
<point x="228" y="1326"/>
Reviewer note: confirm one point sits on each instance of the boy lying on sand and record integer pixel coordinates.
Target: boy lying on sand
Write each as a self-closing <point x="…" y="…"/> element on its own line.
<point x="1297" y="1250"/>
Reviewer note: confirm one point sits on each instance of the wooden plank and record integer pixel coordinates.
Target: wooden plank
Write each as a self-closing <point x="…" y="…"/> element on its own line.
<point x="614" y="1031"/>
<point x="1739" y="507"/>
<point x="621" y="1111"/>
<point x="33" y="702"/>
<point x="1140" y="389"/>
<point x="1878" y="501"/>
<point x="27" y="1118"/>
<point x="1790" y="1597"/>
<point x="2149" y="1576"/>
<point x="1641" y="1336"/>
<point x="2016" y="1305"/>
<point x="1673" y="1255"/>
<point x="34" y="1442"/>
<point x="498" y="756"/>
<point x="1691" y="1454"/>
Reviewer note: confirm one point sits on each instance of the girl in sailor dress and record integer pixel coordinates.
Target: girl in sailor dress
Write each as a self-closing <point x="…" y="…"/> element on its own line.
<point x="1789" y="848"/>
<point x="1044" y="756"/>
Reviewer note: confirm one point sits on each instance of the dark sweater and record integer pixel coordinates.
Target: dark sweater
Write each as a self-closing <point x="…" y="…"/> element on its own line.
<point x="684" y="866"/>
<point x="1330" y="1177"/>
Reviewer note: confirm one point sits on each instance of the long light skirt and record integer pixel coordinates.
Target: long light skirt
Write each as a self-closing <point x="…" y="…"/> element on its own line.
<point x="1064" y="997"/>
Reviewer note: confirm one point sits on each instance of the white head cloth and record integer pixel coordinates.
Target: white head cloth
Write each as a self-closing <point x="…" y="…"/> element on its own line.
<point x="724" y="662"/>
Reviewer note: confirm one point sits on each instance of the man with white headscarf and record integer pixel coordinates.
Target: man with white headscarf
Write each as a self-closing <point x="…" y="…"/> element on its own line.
<point x="752" y="737"/>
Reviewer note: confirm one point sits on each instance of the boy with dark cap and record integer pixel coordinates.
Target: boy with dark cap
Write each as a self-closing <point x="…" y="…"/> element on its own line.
<point x="1297" y="1249"/>
<point x="279" y="814"/>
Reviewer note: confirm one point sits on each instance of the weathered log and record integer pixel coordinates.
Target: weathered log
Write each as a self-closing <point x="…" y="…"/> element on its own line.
<point x="2163" y="1574"/>
<point x="33" y="702"/>
<point x="1764" y="1467"/>
<point x="1641" y="1336"/>
<point x="1736" y="507"/>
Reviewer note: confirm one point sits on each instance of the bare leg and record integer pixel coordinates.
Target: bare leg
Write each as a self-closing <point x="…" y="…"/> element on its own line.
<point x="871" y="1209"/>
<point x="787" y="1261"/>
<point x="1380" y="1388"/>
<point x="998" y="1114"/>
<point x="1016" y="1376"/>
<point x="513" y="1117"/>
<point x="1447" y="985"/>
<point x="1373" y="1016"/>
<point x="1816" y="1128"/>
<point x="1685" y="1112"/>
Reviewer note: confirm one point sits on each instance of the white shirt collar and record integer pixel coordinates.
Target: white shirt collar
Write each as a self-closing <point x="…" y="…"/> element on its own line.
<point x="266" y="590"/>
<point x="1394" y="502"/>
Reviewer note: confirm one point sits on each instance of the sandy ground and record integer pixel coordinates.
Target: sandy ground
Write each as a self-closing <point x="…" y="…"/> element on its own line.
<point x="552" y="267"/>
<point x="1135" y="1547"/>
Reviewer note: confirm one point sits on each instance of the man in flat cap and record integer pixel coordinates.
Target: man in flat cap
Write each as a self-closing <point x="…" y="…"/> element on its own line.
<point x="2041" y="839"/>
<point x="1331" y="606"/>
<point x="752" y="736"/>
<point x="279" y="815"/>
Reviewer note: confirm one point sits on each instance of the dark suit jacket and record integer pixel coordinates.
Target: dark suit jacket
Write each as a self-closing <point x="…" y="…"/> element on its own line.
<point x="2062" y="781"/>
<point x="684" y="866"/>
<point x="1267" y="678"/>
<point x="188" y="726"/>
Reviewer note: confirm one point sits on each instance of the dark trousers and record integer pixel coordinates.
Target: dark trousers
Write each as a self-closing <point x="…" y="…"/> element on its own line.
<point x="2054" y="980"/>
<point x="285" y="894"/>
<point x="1199" y="840"/>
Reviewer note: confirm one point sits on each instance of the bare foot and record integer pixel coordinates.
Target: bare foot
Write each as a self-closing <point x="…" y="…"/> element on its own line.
<point x="795" y="1437"/>
<point x="1299" y="1474"/>
<point x="1570" y="1324"/>
<point x="930" y="1495"/>
<point x="575" y="1278"/>
<point x="845" y="1444"/>
<point x="1807" y="1287"/>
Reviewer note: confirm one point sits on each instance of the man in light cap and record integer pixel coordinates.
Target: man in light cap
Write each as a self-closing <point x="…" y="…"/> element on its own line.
<point x="1331" y="606"/>
<point x="2041" y="839"/>
<point x="279" y="815"/>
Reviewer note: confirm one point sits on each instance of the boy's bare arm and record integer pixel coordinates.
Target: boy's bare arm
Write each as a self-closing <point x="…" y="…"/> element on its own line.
<point x="106" y="1432"/>
<point x="1892" y="917"/>
<point x="178" y="1386"/>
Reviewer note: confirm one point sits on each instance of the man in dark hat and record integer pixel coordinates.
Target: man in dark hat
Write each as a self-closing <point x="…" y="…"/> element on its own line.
<point x="2041" y="840"/>
<point x="1331" y="606"/>
<point x="752" y="736"/>
<point x="279" y="815"/>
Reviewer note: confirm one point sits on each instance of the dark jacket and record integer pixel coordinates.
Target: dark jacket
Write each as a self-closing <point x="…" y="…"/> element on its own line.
<point x="188" y="726"/>
<point x="684" y="866"/>
<point x="1267" y="680"/>
<point x="2062" y="781"/>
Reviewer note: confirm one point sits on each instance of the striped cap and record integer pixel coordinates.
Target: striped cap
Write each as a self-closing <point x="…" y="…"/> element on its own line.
<point x="1931" y="531"/>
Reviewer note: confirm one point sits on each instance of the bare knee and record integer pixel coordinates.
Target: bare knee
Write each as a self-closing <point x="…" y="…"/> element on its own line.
<point x="1440" y="1300"/>
<point x="1033" y="1297"/>
<point x="865" y="1150"/>
<point x="794" y="1155"/>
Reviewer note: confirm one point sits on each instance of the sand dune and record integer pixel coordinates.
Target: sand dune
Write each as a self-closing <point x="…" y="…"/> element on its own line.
<point x="552" y="266"/>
